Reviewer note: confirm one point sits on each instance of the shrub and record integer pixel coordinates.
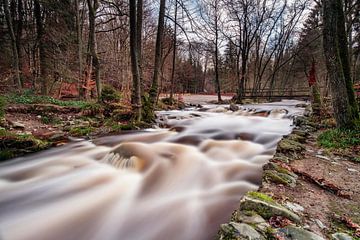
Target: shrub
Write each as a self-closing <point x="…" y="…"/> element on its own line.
<point x="109" y="94"/>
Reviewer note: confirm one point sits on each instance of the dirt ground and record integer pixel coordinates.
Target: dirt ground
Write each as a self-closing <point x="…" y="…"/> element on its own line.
<point x="328" y="188"/>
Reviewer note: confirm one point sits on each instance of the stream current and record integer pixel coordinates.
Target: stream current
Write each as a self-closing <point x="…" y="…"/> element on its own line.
<point x="177" y="182"/>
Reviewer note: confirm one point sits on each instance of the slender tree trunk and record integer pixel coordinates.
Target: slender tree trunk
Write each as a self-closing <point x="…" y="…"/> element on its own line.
<point x="339" y="94"/>
<point x="158" y="56"/>
<point x="13" y="43"/>
<point x="92" y="44"/>
<point x="79" y="48"/>
<point x="217" y="80"/>
<point x="139" y="34"/>
<point x="42" y="52"/>
<point x="135" y="95"/>
<point x="174" y="53"/>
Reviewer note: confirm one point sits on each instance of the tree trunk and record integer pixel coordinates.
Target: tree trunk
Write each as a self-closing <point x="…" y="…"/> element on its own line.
<point x="174" y="53"/>
<point x="13" y="43"/>
<point x="79" y="48"/>
<point x="92" y="44"/>
<point x="339" y="94"/>
<point x="158" y="52"/>
<point x="135" y="95"/>
<point x="344" y="58"/>
<point x="42" y="49"/>
<point x="139" y="33"/>
<point x="217" y="80"/>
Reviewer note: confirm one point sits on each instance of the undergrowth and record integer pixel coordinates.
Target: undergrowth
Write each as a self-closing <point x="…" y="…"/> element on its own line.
<point x="337" y="138"/>
<point x="29" y="98"/>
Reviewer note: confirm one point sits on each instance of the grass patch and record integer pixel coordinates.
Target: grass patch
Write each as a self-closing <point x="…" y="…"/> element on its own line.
<point x="261" y="196"/>
<point x="28" y="98"/>
<point x="336" y="138"/>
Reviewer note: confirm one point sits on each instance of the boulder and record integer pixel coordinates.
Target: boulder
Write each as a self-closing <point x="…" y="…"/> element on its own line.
<point x="294" y="233"/>
<point x="233" y="107"/>
<point x="267" y="209"/>
<point x="239" y="231"/>
<point x="341" y="236"/>
<point x="278" y="177"/>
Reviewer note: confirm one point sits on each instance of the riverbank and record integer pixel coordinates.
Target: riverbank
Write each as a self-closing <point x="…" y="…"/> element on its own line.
<point x="307" y="192"/>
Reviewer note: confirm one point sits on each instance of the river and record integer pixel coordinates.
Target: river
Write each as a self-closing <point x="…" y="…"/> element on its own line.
<point x="178" y="181"/>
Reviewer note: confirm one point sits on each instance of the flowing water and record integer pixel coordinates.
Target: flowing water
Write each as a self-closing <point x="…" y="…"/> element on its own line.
<point x="176" y="182"/>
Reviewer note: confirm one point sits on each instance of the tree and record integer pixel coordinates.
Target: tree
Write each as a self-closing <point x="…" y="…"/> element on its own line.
<point x="14" y="42"/>
<point x="93" y="59"/>
<point x="134" y="52"/>
<point x="157" y="65"/>
<point x="333" y="41"/>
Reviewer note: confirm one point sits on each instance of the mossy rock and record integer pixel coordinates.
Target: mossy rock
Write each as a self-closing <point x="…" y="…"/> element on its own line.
<point x="296" y="138"/>
<point x="13" y="145"/>
<point x="291" y="232"/>
<point x="239" y="231"/>
<point x="267" y="209"/>
<point x="280" y="178"/>
<point x="287" y="145"/>
<point x="341" y="236"/>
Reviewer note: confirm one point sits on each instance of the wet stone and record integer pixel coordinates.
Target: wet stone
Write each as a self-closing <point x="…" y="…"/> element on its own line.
<point x="295" y="233"/>
<point x="341" y="236"/>
<point x="267" y="209"/>
<point x="239" y="231"/>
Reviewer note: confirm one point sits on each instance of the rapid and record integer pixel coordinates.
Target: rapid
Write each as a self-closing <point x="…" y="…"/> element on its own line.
<point x="178" y="181"/>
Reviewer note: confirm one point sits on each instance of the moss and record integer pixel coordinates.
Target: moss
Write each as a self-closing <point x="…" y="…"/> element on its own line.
<point x="287" y="145"/>
<point x="14" y="145"/>
<point x="261" y="196"/>
<point x="280" y="178"/>
<point x="81" y="131"/>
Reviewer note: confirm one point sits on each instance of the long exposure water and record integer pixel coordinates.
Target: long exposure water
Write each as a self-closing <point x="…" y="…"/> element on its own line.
<point x="176" y="182"/>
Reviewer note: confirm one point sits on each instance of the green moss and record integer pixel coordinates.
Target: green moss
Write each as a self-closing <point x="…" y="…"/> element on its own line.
<point x="281" y="178"/>
<point x="13" y="145"/>
<point x="81" y="131"/>
<point x="336" y="138"/>
<point x="261" y="196"/>
<point x="287" y="145"/>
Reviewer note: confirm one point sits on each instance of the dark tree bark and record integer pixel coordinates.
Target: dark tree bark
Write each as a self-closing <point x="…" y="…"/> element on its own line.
<point x="345" y="60"/>
<point x="93" y="6"/>
<point x="14" y="46"/>
<point x="217" y="80"/>
<point x="139" y="34"/>
<point x="134" y="51"/>
<point x="79" y="47"/>
<point x="332" y="38"/>
<point x="174" y="53"/>
<point x="158" y="56"/>
<point x="42" y="49"/>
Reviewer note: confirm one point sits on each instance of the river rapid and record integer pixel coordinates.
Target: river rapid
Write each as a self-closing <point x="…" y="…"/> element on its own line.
<point x="176" y="182"/>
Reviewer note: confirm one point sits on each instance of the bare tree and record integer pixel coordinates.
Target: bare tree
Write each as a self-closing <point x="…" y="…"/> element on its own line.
<point x="134" y="52"/>
<point x="14" y="45"/>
